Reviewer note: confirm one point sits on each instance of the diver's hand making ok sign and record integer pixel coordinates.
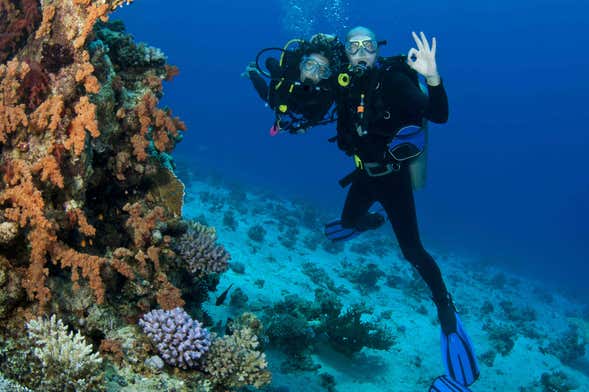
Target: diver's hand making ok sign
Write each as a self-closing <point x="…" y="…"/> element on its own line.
<point x="423" y="59"/>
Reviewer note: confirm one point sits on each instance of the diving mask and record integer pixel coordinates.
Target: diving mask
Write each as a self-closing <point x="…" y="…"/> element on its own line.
<point x="312" y="66"/>
<point x="354" y="46"/>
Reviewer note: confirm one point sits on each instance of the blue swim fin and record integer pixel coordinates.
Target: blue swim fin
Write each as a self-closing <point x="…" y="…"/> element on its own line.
<point x="446" y="384"/>
<point x="459" y="356"/>
<point x="335" y="231"/>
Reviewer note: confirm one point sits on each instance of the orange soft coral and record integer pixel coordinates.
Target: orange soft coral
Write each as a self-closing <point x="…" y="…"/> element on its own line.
<point x="49" y="168"/>
<point x="46" y="23"/>
<point x="84" y="74"/>
<point x="85" y="120"/>
<point x="25" y="207"/>
<point x="158" y="121"/>
<point x="140" y="145"/>
<point x="12" y="110"/>
<point x="142" y="225"/>
<point x="89" y="265"/>
<point x="94" y="12"/>
<point x="168" y="296"/>
<point x="48" y="114"/>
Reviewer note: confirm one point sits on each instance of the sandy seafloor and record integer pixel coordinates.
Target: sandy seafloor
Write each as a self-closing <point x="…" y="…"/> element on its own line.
<point x="415" y="359"/>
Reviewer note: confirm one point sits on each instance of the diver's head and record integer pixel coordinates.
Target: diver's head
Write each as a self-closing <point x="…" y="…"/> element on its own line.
<point x="361" y="47"/>
<point x="319" y="57"/>
<point x="314" y="68"/>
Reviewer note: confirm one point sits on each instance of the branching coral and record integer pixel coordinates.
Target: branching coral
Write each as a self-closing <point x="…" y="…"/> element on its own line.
<point x="68" y="362"/>
<point x="348" y="333"/>
<point x="198" y="249"/>
<point x="234" y="361"/>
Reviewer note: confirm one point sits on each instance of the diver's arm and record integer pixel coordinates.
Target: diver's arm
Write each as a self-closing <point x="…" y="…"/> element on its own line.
<point x="437" y="107"/>
<point x="251" y="72"/>
<point x="259" y="84"/>
<point x="423" y="61"/>
<point x="402" y="92"/>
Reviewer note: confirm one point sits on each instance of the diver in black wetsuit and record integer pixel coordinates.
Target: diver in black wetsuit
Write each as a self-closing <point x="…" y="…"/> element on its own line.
<point x="377" y="97"/>
<point x="301" y="90"/>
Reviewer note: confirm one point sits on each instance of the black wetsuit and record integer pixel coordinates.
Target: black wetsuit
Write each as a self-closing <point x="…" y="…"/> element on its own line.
<point x="392" y="100"/>
<point x="309" y="103"/>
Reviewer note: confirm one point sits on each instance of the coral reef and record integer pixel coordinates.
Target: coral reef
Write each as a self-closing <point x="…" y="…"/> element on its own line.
<point x="364" y="276"/>
<point x="90" y="207"/>
<point x="68" y="363"/>
<point x="295" y="326"/>
<point x="501" y="336"/>
<point x="180" y="340"/>
<point x="558" y="381"/>
<point x="348" y="334"/>
<point x="256" y="233"/>
<point x="235" y="362"/>
<point x="199" y="251"/>
<point x="569" y="346"/>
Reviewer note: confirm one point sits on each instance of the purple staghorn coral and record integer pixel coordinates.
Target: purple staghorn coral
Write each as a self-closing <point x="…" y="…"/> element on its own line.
<point x="200" y="252"/>
<point x="180" y="340"/>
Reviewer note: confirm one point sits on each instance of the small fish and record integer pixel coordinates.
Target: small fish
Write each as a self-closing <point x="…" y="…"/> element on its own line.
<point x="221" y="298"/>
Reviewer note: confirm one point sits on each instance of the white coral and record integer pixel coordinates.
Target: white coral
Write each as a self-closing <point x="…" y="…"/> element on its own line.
<point x="8" y="230"/>
<point x="66" y="357"/>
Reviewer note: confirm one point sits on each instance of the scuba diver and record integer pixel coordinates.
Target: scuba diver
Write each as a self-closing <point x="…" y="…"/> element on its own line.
<point x="301" y="90"/>
<point x="378" y="99"/>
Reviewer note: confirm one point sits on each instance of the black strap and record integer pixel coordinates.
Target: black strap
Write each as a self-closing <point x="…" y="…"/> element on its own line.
<point x="298" y="122"/>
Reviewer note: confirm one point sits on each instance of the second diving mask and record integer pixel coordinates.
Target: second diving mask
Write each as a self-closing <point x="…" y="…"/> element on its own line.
<point x="310" y="65"/>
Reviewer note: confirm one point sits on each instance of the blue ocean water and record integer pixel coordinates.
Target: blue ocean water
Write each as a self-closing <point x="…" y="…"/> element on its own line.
<point x="507" y="175"/>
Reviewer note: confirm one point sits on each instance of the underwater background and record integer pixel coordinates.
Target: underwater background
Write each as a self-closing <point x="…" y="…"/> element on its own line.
<point x="507" y="175"/>
<point x="155" y="237"/>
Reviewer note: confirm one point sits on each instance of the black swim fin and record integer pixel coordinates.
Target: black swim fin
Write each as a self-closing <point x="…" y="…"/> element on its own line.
<point x="335" y="231"/>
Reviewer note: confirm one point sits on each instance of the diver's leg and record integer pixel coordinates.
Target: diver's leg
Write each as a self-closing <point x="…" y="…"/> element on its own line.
<point x="396" y="196"/>
<point x="358" y="201"/>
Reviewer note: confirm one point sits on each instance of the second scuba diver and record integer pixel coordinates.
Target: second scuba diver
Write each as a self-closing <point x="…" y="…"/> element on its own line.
<point x="301" y="90"/>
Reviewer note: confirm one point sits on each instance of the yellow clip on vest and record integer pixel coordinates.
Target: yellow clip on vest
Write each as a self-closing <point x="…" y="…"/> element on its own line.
<point x="358" y="162"/>
<point x="283" y="108"/>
